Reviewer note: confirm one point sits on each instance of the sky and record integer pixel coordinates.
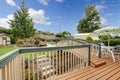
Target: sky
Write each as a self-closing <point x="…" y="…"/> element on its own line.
<point x="60" y="15"/>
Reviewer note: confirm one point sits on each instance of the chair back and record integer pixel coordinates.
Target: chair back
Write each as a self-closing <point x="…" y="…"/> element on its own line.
<point x="116" y="49"/>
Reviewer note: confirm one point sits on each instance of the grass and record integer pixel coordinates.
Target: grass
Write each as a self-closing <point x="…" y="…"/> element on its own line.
<point x="6" y="49"/>
<point x="47" y="53"/>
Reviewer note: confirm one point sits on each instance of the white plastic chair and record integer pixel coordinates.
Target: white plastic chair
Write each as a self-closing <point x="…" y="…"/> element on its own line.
<point x="107" y="50"/>
<point x="114" y="51"/>
<point x="110" y="50"/>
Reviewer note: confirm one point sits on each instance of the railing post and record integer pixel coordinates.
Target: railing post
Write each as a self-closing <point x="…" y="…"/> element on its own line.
<point x="0" y="74"/>
<point x="89" y="55"/>
<point x="99" y="51"/>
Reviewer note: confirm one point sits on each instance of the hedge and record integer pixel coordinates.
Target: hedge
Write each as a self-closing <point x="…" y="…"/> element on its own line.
<point x="113" y="42"/>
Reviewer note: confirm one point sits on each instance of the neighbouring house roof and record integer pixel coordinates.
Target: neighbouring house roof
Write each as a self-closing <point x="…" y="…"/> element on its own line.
<point x="1" y="33"/>
<point x="4" y="34"/>
<point x="49" y="37"/>
<point x="84" y="35"/>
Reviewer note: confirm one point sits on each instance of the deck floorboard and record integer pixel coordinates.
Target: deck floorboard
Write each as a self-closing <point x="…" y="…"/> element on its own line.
<point x="109" y="71"/>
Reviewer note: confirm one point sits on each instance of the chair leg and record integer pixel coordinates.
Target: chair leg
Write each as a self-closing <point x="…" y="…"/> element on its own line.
<point x="113" y="57"/>
<point x="97" y="54"/>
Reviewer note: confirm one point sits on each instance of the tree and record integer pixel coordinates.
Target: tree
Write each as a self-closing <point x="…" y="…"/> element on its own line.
<point x="59" y="34"/>
<point x="63" y="34"/>
<point x="66" y="33"/>
<point x="6" y="31"/>
<point x="46" y="33"/>
<point x="91" y="20"/>
<point x="22" y="24"/>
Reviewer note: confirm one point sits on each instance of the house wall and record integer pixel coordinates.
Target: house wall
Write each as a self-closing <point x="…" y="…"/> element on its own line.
<point x="8" y="40"/>
<point x="1" y="40"/>
<point x="81" y="35"/>
<point x="84" y="36"/>
<point x="49" y="37"/>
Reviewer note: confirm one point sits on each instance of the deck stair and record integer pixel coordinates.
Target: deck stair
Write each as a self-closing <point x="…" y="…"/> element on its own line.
<point x="97" y="62"/>
<point x="44" y="66"/>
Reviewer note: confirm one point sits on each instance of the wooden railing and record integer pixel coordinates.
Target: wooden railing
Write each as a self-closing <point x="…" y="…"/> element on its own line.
<point x="43" y="63"/>
<point x="10" y="66"/>
<point x="95" y="46"/>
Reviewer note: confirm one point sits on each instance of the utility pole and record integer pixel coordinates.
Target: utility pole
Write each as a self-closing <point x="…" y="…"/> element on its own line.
<point x="59" y="24"/>
<point x="59" y="27"/>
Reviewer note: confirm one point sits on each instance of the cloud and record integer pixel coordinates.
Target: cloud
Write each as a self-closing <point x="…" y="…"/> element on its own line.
<point x="11" y="2"/>
<point x="10" y="17"/>
<point x="39" y="17"/>
<point x="103" y="21"/>
<point x="100" y="8"/>
<point x="103" y="2"/>
<point x="4" y="21"/>
<point x="44" y="2"/>
<point x="60" y="1"/>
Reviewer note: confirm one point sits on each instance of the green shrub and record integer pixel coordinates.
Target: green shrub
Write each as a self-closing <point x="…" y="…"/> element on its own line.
<point x="104" y="37"/>
<point x="95" y="40"/>
<point x="20" y="41"/>
<point x="116" y="37"/>
<point x="30" y="40"/>
<point x="42" y="39"/>
<point x="56" y="40"/>
<point x="12" y="40"/>
<point x="113" y="42"/>
<point x="59" y="35"/>
<point x="89" y="38"/>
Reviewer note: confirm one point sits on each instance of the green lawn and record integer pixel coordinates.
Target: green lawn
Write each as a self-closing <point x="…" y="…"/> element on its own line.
<point x="6" y="49"/>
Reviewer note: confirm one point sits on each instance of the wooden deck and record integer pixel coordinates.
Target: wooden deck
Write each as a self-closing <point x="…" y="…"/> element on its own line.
<point x="109" y="71"/>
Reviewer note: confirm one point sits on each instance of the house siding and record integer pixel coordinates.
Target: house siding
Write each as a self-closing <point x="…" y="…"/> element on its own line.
<point x="7" y="41"/>
<point x="0" y="40"/>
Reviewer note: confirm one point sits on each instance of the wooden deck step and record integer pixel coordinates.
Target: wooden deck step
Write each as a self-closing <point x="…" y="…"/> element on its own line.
<point x="96" y="62"/>
<point x="96" y="58"/>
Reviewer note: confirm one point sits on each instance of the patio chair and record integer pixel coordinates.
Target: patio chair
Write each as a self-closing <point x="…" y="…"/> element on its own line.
<point x="116" y="51"/>
<point x="113" y="51"/>
<point x="107" y="50"/>
<point x="110" y="51"/>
